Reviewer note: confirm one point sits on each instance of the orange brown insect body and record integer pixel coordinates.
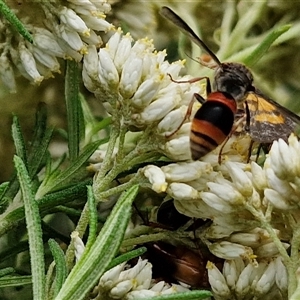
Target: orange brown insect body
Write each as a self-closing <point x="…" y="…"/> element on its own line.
<point x="265" y="119"/>
<point x="212" y="123"/>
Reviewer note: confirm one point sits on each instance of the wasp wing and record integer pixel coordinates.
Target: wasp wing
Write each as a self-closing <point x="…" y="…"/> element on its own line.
<point x="186" y="29"/>
<point x="269" y="121"/>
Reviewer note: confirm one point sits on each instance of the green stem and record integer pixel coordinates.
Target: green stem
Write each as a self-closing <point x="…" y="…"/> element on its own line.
<point x="122" y="187"/>
<point x="289" y="263"/>
<point x="144" y="239"/>
<point x="14" y="21"/>
<point x="120" y="154"/>
<point x="106" y="176"/>
<point x="294" y="261"/>
<point x="266" y="225"/>
<point x="108" y="158"/>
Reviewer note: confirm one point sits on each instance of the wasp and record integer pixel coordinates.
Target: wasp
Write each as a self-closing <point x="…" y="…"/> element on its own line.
<point x="265" y="120"/>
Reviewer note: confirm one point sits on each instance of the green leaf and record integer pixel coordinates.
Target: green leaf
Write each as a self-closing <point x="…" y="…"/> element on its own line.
<point x="102" y="124"/>
<point x="92" y="218"/>
<point x="127" y="256"/>
<point x="56" y="181"/>
<point x="264" y="46"/>
<point x="38" y="150"/>
<point x="61" y="271"/>
<point x="192" y="295"/>
<point x="15" y="281"/>
<point x="11" y="219"/>
<point x="74" y="109"/>
<point x="3" y="188"/>
<point x="6" y="271"/>
<point x="33" y="223"/>
<point x="14" y="21"/>
<point x="19" y="139"/>
<point x="94" y="262"/>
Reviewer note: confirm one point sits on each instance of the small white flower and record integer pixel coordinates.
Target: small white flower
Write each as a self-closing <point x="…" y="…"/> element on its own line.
<point x="232" y="270"/>
<point x="269" y="249"/>
<point x="217" y="281"/>
<point x="78" y="244"/>
<point x="72" y="38"/>
<point x="243" y="284"/>
<point x="240" y="179"/>
<point x="109" y="278"/>
<point x="227" y="193"/>
<point x="97" y="23"/>
<point x="280" y="185"/>
<point x="156" y="177"/>
<point x="257" y="273"/>
<point x="216" y="202"/>
<point x="250" y="239"/>
<point x="278" y="200"/>
<point x="92" y="39"/>
<point x="259" y="179"/>
<point x="172" y="121"/>
<point x="107" y="71"/>
<point x="131" y="75"/>
<point x="29" y="63"/>
<point x="185" y="171"/>
<point x="7" y="74"/>
<point x="178" y="148"/>
<point x="121" y="289"/>
<point x="182" y="191"/>
<point x="91" y="62"/>
<point x="281" y="276"/>
<point x="284" y="159"/>
<point x="159" y="108"/>
<point x="44" y="39"/>
<point x="267" y="280"/>
<point x="146" y="92"/>
<point x="229" y="250"/>
<point x="70" y="18"/>
<point x="122" y="50"/>
<point x="45" y="59"/>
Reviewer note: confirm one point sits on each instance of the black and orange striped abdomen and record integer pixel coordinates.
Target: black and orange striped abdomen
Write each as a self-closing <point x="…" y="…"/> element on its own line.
<point x="212" y="123"/>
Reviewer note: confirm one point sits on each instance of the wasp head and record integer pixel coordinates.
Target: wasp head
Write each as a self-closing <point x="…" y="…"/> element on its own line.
<point x="234" y="79"/>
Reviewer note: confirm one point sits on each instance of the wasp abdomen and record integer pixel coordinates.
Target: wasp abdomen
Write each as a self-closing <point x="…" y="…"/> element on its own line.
<point x="212" y="123"/>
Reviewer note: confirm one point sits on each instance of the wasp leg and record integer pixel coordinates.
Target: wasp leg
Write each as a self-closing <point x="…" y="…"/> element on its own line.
<point x="250" y="151"/>
<point x="193" y="80"/>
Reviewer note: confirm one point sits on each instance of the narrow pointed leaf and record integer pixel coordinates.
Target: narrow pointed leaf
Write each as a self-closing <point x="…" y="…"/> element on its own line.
<point x="14" y="21"/>
<point x="33" y="223"/>
<point x="94" y="262"/>
<point x="264" y="46"/>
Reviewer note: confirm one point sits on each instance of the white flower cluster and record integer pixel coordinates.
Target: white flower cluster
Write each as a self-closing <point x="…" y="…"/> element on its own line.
<point x="133" y="83"/>
<point x="240" y="199"/>
<point x="69" y="27"/>
<point x="122" y="282"/>
<point x="239" y="280"/>
<point x="133" y="283"/>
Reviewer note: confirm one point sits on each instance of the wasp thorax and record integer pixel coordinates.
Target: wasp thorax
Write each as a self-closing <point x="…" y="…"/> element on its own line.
<point x="234" y="79"/>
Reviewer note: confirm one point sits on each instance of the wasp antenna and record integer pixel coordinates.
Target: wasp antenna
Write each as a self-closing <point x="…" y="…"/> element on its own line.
<point x="185" y="28"/>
